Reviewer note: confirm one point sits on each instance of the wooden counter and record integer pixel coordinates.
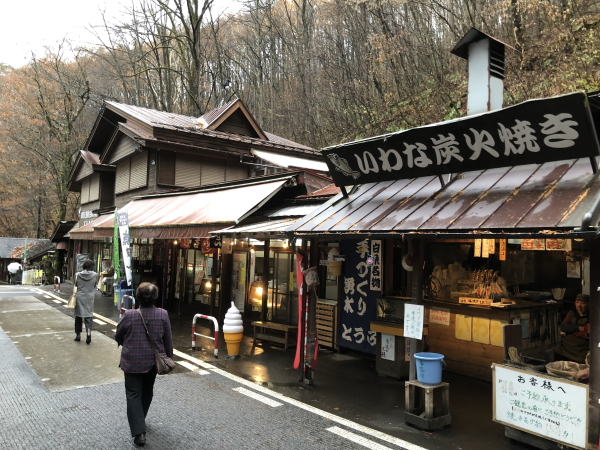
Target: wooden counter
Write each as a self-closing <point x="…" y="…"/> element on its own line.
<point x="392" y="328"/>
<point x="471" y="352"/>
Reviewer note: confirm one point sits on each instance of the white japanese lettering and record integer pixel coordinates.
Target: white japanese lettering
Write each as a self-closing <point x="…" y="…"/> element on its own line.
<point x="366" y="167"/>
<point x="559" y="132"/>
<point x="445" y="149"/>
<point x="481" y="141"/>
<point x="385" y="160"/>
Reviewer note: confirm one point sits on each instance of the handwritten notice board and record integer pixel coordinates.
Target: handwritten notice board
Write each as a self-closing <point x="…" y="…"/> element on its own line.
<point x="413" y="321"/>
<point x="553" y="408"/>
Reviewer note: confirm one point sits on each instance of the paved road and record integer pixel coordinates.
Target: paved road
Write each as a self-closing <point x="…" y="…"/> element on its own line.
<point x="59" y="394"/>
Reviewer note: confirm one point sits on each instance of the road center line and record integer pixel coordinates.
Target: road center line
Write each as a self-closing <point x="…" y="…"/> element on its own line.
<point x="260" y="398"/>
<point x="357" y="439"/>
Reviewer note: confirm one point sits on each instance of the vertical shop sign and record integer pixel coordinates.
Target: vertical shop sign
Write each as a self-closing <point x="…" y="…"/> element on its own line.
<point x="359" y="300"/>
<point x="116" y="258"/>
<point x="477" y="250"/>
<point x="413" y="321"/>
<point x="215" y="242"/>
<point x="485" y="249"/>
<point x="388" y="347"/>
<point x="375" y="266"/>
<point x="502" y="249"/>
<point x="123" y="219"/>
<point x="227" y="246"/>
<point x="167" y="271"/>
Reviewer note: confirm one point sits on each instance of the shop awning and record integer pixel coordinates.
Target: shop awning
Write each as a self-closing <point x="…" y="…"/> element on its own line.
<point x="533" y="198"/>
<point x="190" y="214"/>
<point x="270" y="229"/>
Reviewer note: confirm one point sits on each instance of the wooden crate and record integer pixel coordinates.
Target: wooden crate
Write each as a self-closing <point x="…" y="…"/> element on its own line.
<point x="326" y="323"/>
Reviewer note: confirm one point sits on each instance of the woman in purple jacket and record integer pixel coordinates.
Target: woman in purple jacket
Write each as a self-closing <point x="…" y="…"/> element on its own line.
<point x="137" y="355"/>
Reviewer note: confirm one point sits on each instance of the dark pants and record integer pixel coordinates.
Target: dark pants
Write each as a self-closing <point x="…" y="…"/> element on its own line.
<point x="88" y="324"/>
<point x="139" y="389"/>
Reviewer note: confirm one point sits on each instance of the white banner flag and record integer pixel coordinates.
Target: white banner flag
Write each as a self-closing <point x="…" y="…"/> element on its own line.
<point x="123" y="220"/>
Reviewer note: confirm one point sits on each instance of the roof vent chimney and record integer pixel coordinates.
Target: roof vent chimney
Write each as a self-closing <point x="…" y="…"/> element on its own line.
<point x="485" y="57"/>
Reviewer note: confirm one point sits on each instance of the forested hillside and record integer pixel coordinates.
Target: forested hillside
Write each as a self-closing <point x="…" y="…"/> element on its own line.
<point x="314" y="71"/>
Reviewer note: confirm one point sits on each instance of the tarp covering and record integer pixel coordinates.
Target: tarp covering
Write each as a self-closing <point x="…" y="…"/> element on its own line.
<point x="191" y="214"/>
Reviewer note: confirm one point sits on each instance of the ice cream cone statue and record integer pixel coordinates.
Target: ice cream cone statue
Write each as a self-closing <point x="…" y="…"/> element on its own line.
<point x="233" y="330"/>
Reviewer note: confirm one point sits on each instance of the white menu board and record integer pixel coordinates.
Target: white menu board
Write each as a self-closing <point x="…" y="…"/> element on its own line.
<point x="554" y="408"/>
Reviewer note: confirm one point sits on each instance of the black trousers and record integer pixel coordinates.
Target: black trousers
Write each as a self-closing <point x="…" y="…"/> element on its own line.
<point x="139" y="389"/>
<point x="78" y="324"/>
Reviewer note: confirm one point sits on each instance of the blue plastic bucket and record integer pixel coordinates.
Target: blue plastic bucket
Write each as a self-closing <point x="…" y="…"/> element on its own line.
<point x="429" y="367"/>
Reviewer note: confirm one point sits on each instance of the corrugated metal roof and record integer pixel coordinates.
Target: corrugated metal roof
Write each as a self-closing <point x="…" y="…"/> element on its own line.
<point x="295" y="210"/>
<point x="550" y="196"/>
<point x="185" y="215"/>
<point x="162" y="119"/>
<point x="7" y="245"/>
<point x="211" y="116"/>
<point x="89" y="157"/>
<point x="327" y="191"/>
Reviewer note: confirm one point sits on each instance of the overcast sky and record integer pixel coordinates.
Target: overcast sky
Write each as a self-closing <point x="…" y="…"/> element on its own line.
<point x="30" y="25"/>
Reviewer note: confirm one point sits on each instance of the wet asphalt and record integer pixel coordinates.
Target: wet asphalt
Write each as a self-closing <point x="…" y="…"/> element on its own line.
<point x="346" y="384"/>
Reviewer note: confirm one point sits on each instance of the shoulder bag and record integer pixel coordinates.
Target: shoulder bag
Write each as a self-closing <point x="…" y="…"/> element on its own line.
<point x="164" y="364"/>
<point x="73" y="299"/>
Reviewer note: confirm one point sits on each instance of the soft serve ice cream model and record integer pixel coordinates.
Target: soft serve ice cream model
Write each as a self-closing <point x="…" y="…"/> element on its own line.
<point x="233" y="331"/>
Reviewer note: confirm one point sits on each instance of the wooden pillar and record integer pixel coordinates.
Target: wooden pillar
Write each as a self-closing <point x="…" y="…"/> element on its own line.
<point x="265" y="296"/>
<point x="594" y="386"/>
<point x="182" y="280"/>
<point x="213" y="290"/>
<point x="302" y="318"/>
<point x="309" y="374"/>
<point x="225" y="288"/>
<point x="388" y="267"/>
<point x="417" y="299"/>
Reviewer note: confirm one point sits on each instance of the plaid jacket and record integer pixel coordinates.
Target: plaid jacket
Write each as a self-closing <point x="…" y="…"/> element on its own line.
<point x="137" y="355"/>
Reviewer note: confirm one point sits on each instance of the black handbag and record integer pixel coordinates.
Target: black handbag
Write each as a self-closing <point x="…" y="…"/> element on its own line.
<point x="164" y="364"/>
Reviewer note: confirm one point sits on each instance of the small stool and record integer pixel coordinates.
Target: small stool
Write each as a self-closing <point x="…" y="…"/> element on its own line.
<point x="420" y="410"/>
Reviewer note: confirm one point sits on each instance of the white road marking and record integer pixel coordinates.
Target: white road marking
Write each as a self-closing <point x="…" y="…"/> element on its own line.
<point x="99" y="322"/>
<point x="357" y="439"/>
<point x="11" y="292"/>
<point x="192" y="367"/>
<point x="340" y="420"/>
<point x="260" y="398"/>
<point x="105" y="319"/>
<point x="56" y="301"/>
<point x="47" y="296"/>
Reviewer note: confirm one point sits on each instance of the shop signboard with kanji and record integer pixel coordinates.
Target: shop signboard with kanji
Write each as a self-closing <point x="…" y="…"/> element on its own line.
<point x="532" y="132"/>
<point x="361" y="288"/>
<point x="550" y="407"/>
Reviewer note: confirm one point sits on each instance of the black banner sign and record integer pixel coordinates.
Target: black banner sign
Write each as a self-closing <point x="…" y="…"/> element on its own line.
<point x="532" y="132"/>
